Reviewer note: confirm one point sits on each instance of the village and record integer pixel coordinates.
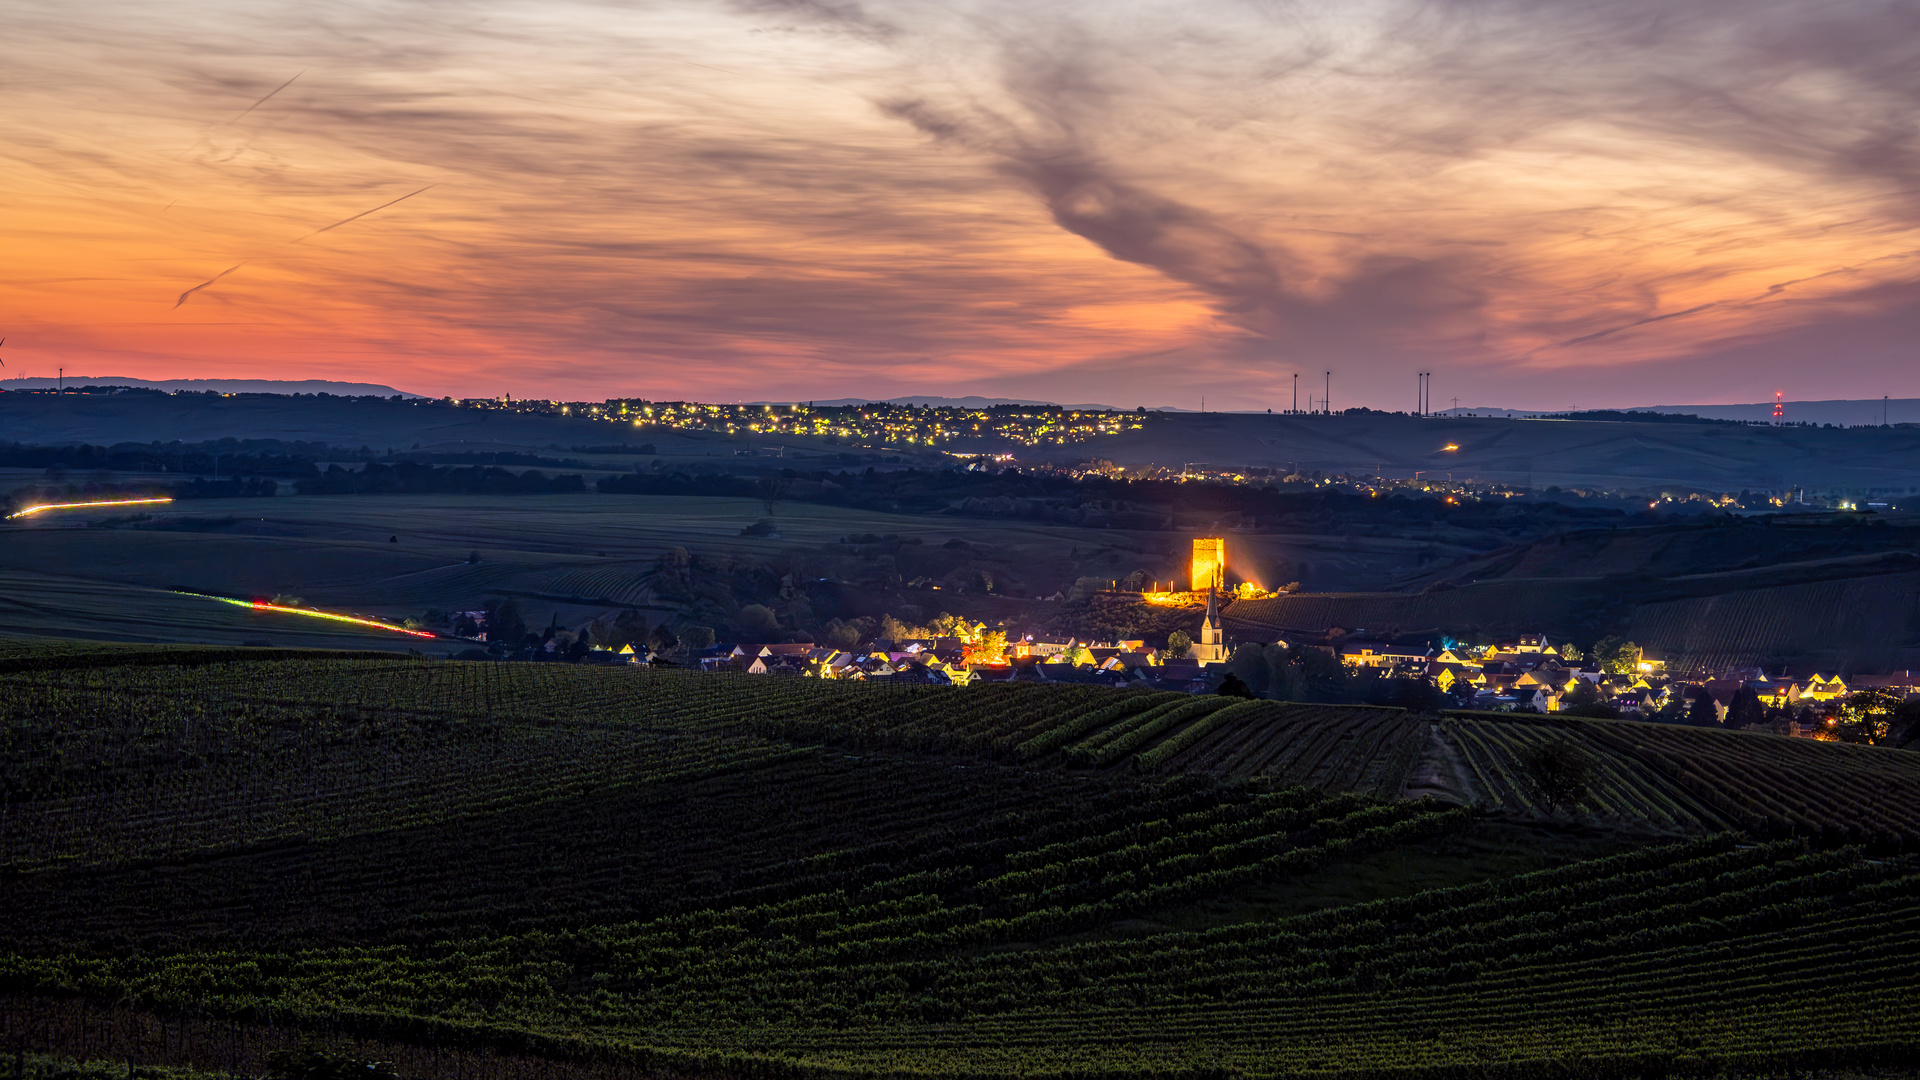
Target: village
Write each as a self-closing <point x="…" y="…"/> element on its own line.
<point x="1530" y="673"/>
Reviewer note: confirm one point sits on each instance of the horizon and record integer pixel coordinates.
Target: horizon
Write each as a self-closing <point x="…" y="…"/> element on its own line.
<point x="760" y="200"/>
<point x="1715" y="410"/>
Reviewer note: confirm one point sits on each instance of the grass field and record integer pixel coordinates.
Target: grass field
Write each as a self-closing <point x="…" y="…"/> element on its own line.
<point x="539" y="870"/>
<point x="577" y="556"/>
<point x="570" y="556"/>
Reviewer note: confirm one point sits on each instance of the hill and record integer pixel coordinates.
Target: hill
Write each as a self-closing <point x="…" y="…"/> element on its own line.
<point x="218" y="386"/>
<point x="517" y="870"/>
<point x="1528" y="453"/>
<point x="1835" y="592"/>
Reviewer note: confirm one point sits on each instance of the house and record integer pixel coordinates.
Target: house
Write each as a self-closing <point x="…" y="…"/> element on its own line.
<point x="1820" y="688"/>
<point x="1375" y="654"/>
<point x="1448" y="676"/>
<point x="1183" y="675"/>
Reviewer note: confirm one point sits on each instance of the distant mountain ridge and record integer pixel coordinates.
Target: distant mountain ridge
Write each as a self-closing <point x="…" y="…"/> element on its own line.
<point x="219" y="386"/>
<point x="1844" y="412"/>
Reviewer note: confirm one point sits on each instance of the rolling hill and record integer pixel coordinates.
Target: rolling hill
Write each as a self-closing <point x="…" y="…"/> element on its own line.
<point x="542" y="870"/>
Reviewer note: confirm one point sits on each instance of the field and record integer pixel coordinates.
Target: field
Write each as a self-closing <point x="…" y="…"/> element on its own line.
<point x="1715" y="457"/>
<point x="1845" y="618"/>
<point x="573" y="556"/>
<point x="526" y="870"/>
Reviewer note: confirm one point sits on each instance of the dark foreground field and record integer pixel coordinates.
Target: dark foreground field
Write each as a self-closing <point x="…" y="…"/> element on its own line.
<point x="534" y="870"/>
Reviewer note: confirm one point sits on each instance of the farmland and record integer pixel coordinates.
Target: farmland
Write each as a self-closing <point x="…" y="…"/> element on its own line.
<point x="520" y="870"/>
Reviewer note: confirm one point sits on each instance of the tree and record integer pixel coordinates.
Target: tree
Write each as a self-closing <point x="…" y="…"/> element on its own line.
<point x="1556" y="772"/>
<point x="1234" y="686"/>
<point x="1673" y="712"/>
<point x="1249" y="663"/>
<point x="1585" y="700"/>
<point x="1868" y="716"/>
<point x="991" y="648"/>
<point x="1615" y="655"/>
<point x="841" y="635"/>
<point x="1077" y="655"/>
<point x="504" y="622"/>
<point x="757" y="619"/>
<point x="662" y="639"/>
<point x="772" y="487"/>
<point x="696" y="638"/>
<point x="629" y="628"/>
<point x="1309" y="674"/>
<point x="955" y="626"/>
<point x="1179" y="643"/>
<point x="1703" y="712"/>
<point x="896" y="630"/>
<point x="1571" y="653"/>
<point x="1745" y="710"/>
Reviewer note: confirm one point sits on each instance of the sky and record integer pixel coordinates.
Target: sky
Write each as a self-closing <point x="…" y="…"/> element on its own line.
<point x="1546" y="204"/>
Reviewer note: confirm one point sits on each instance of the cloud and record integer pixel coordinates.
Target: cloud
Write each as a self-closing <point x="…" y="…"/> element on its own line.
<point x="766" y="198"/>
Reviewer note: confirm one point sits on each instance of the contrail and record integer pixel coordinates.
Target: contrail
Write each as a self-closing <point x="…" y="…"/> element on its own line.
<point x="204" y="284"/>
<point x="362" y="214"/>
<point x="1584" y="338"/>
<point x="263" y="100"/>
<point x="314" y="233"/>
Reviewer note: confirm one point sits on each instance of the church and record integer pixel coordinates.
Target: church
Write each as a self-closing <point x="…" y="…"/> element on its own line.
<point x="1209" y="573"/>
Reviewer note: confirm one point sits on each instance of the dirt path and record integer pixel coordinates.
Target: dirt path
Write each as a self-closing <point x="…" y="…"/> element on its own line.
<point x="1439" y="773"/>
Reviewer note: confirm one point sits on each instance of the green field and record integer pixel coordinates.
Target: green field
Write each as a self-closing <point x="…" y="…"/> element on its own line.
<point x="534" y="870"/>
<point x="575" y="556"/>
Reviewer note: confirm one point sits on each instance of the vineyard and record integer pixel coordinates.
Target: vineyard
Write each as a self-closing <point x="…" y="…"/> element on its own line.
<point x="1861" y="620"/>
<point x="495" y="870"/>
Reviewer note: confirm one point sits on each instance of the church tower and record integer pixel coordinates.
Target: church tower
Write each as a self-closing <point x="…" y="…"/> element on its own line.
<point x="1212" y="646"/>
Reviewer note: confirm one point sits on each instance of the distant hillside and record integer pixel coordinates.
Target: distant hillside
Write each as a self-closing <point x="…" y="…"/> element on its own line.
<point x="100" y="419"/>
<point x="1837" y="412"/>
<point x="1851" y="615"/>
<point x="1532" y="453"/>
<point x="221" y="386"/>
<point x="1636" y="457"/>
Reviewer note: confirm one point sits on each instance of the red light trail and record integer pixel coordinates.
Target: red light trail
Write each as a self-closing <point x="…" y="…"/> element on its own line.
<point x="262" y="605"/>
<point x="87" y="505"/>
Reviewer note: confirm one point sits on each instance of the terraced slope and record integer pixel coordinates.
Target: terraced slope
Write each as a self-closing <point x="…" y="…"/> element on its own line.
<point x="540" y="870"/>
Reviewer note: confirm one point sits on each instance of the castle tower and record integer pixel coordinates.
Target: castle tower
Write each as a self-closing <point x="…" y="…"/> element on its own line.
<point x="1209" y="563"/>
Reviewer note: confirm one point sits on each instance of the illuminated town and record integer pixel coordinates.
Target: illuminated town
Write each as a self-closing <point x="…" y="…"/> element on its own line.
<point x="872" y="424"/>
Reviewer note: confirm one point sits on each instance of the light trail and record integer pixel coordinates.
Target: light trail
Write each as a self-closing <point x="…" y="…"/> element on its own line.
<point x="262" y="605"/>
<point x="86" y="505"/>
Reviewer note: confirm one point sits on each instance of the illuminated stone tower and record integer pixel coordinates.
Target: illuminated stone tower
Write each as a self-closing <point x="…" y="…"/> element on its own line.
<point x="1209" y="563"/>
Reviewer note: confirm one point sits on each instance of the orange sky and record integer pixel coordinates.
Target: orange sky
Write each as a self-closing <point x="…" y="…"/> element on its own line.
<point x="1547" y="204"/>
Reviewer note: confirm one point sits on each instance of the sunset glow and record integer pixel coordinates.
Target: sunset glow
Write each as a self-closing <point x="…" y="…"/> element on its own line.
<point x="1549" y="204"/>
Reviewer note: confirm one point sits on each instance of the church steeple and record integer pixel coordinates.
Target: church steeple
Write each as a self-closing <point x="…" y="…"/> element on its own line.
<point x="1212" y="647"/>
